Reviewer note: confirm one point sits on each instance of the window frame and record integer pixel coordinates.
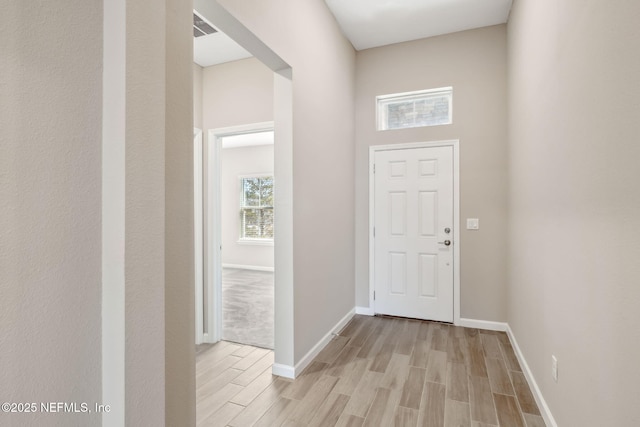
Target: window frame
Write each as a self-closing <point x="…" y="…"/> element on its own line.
<point x="382" y="101"/>
<point x="267" y="241"/>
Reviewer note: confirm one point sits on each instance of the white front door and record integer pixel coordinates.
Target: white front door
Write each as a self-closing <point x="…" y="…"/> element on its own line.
<point x="413" y="233"/>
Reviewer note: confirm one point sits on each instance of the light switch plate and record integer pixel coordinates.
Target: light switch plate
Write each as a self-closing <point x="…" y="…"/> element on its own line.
<point x="473" y="224"/>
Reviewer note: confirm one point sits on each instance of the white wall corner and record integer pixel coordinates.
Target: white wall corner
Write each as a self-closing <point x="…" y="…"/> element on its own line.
<point x="483" y="324"/>
<point x="365" y="311"/>
<point x="537" y="393"/>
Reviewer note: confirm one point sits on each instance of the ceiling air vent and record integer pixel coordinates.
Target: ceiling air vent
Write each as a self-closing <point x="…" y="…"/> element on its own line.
<point x="201" y="27"/>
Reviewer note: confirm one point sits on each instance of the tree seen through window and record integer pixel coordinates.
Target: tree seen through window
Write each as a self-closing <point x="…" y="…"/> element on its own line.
<point x="256" y="209"/>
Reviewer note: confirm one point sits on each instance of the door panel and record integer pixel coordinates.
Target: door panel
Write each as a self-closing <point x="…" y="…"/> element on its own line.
<point x="413" y="205"/>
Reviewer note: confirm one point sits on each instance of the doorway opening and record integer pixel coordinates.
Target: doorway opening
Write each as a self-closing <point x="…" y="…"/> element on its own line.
<point x="240" y="224"/>
<point x="282" y="115"/>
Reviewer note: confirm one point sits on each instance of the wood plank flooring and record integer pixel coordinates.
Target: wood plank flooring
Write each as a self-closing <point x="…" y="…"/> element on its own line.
<point x="378" y="371"/>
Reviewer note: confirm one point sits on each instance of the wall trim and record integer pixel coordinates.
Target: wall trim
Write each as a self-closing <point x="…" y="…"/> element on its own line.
<point x="113" y="210"/>
<point x="243" y="129"/>
<point x="365" y="311"/>
<point x="248" y="267"/>
<point x="284" y="371"/>
<point x="533" y="385"/>
<point x="198" y="232"/>
<point x="293" y="371"/>
<point x="488" y="325"/>
<point x="255" y="242"/>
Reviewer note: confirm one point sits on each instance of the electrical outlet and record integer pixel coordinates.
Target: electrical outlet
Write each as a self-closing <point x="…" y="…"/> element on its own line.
<point x="554" y="368"/>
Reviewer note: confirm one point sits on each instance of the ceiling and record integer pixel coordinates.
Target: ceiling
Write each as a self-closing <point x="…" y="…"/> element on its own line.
<point x="373" y="23"/>
<point x="216" y="48"/>
<point x="248" y="140"/>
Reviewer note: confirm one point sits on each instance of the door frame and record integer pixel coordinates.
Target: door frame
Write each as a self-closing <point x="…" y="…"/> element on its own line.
<point x="198" y="233"/>
<point x="213" y="223"/>
<point x="455" y="144"/>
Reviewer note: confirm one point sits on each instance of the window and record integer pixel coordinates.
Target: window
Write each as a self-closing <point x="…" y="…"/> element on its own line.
<point x="256" y="208"/>
<point x="414" y="109"/>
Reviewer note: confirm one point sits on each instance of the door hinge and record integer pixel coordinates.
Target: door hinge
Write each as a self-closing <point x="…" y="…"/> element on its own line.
<point x="374" y="168"/>
<point x="374" y="295"/>
<point x="374" y="232"/>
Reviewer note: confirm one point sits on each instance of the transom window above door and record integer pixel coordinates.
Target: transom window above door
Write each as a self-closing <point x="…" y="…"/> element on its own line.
<point x="431" y="107"/>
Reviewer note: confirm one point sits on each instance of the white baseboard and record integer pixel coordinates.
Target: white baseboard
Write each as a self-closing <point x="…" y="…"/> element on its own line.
<point x="365" y="311"/>
<point x="483" y="324"/>
<point x="504" y="327"/>
<point x="537" y="394"/>
<point x="292" y="372"/>
<point x="208" y="339"/>
<point x="248" y="267"/>
<point x="285" y="371"/>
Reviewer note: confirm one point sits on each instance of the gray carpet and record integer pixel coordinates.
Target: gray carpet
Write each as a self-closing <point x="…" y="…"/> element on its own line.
<point x="247" y="307"/>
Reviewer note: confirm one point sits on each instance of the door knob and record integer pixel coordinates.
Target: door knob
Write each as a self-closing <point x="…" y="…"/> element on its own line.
<point x="446" y="243"/>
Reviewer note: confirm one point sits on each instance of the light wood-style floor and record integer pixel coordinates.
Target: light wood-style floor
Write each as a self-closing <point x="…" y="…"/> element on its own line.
<point x="377" y="372"/>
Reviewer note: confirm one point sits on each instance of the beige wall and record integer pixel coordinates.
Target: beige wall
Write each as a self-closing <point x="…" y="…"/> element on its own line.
<point x="51" y="158"/>
<point x="157" y="376"/>
<point x="574" y="204"/>
<point x="236" y="93"/>
<point x="179" y="293"/>
<point x="197" y="96"/>
<point x="474" y="64"/>
<point x="237" y="162"/>
<point x="306" y="36"/>
<point x="50" y="192"/>
<point x="144" y="217"/>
